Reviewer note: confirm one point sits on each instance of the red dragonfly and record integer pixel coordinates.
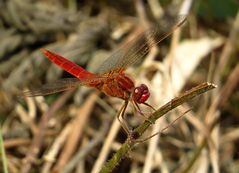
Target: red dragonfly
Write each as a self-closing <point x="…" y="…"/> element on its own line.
<point x="111" y="78"/>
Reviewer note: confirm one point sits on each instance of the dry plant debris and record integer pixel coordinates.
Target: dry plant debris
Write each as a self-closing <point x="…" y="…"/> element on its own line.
<point x="77" y="131"/>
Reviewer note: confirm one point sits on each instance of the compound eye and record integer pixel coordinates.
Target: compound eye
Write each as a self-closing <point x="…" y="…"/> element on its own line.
<point x="137" y="94"/>
<point x="141" y="93"/>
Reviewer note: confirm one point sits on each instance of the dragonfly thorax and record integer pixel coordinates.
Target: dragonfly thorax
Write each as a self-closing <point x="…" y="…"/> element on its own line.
<point x="120" y="86"/>
<point x="140" y="94"/>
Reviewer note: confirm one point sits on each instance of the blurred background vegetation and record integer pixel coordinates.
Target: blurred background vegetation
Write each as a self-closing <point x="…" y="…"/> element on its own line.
<point x="66" y="132"/>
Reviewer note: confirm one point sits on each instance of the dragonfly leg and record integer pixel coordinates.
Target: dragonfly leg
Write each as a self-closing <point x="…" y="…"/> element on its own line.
<point x="137" y="109"/>
<point x="121" y="114"/>
<point x="146" y="104"/>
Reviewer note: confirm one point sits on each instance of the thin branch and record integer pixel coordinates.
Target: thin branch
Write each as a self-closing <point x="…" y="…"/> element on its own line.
<point x="138" y="132"/>
<point x="224" y="94"/>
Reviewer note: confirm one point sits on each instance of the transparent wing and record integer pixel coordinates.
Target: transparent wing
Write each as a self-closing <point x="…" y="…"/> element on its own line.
<point x="67" y="84"/>
<point x="137" y="48"/>
<point x="58" y="86"/>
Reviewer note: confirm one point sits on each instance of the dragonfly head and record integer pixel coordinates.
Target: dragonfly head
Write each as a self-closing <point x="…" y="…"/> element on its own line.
<point x="141" y="94"/>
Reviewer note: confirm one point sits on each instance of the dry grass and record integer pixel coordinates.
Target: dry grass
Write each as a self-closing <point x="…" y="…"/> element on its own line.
<point x="77" y="131"/>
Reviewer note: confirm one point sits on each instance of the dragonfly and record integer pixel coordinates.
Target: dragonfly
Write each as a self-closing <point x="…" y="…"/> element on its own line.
<point x="111" y="78"/>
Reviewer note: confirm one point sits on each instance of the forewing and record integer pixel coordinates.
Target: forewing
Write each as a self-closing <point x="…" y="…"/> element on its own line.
<point x="137" y="48"/>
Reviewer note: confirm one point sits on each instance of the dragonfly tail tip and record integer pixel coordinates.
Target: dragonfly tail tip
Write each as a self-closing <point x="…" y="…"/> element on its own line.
<point x="43" y="50"/>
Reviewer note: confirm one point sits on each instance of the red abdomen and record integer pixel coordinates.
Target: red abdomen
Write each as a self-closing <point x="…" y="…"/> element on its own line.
<point x="67" y="65"/>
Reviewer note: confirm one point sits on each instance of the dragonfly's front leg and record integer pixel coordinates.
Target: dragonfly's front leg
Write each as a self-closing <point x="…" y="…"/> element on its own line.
<point x="150" y="106"/>
<point x="137" y="109"/>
